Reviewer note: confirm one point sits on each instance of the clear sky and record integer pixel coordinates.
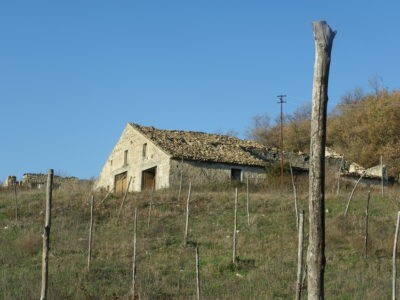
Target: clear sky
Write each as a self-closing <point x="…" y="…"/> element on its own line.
<point x="73" y="73"/>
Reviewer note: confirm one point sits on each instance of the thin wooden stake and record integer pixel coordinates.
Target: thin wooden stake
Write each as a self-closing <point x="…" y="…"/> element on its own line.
<point x="339" y="173"/>
<point x="46" y="236"/>
<point x="90" y="233"/>
<point x="366" y="226"/>
<point x="197" y="274"/>
<point x="16" y="202"/>
<point x="106" y="196"/>
<point x="323" y="36"/>
<point x="382" y="174"/>
<point x="180" y="180"/>
<point x="234" y="229"/>
<point x="134" y="255"/>
<point x="352" y="193"/>
<point x="394" y="268"/>
<point x="247" y="202"/>
<point x="295" y="196"/>
<point x="300" y="256"/>
<point x="123" y="199"/>
<point x="149" y="213"/>
<point x="187" y="214"/>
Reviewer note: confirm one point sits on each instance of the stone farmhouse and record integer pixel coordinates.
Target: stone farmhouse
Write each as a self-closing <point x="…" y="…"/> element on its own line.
<point x="147" y="158"/>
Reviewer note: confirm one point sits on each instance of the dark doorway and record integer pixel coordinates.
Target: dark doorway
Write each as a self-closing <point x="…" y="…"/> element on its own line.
<point x="236" y="175"/>
<point x="120" y="182"/>
<point x="149" y="179"/>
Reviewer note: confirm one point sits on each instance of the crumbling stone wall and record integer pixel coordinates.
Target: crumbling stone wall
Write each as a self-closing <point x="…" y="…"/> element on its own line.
<point x="32" y="180"/>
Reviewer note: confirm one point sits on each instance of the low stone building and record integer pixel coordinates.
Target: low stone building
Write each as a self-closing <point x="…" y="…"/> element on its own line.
<point x="35" y="180"/>
<point x="146" y="158"/>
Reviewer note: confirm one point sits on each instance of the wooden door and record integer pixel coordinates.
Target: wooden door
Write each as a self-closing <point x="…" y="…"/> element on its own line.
<point x="149" y="179"/>
<point x="121" y="182"/>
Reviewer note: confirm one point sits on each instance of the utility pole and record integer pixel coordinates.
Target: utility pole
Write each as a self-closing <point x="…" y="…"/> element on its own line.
<point x="281" y="103"/>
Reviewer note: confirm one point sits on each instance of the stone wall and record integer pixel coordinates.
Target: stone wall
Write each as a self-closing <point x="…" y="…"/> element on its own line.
<point x="34" y="180"/>
<point x="205" y="173"/>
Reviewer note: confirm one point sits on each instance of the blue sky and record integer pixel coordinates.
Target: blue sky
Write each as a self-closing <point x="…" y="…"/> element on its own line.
<point x="73" y="73"/>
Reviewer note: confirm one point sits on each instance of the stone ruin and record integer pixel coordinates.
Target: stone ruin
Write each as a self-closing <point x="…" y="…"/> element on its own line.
<point x="32" y="180"/>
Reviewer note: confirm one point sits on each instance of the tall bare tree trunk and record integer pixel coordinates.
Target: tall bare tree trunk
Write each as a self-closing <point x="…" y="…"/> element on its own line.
<point x="46" y="236"/>
<point x="323" y="36"/>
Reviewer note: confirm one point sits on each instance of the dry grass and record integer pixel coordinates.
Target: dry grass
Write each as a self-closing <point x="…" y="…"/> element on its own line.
<point x="166" y="270"/>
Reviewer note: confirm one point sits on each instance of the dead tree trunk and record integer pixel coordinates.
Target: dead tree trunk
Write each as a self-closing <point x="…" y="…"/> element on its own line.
<point x="323" y="36"/>
<point x="90" y="233"/>
<point x="46" y="236"/>
<point x="394" y="267"/>
<point x="300" y="257"/>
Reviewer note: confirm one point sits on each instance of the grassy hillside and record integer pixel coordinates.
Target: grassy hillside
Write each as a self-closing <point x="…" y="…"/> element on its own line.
<point x="267" y="249"/>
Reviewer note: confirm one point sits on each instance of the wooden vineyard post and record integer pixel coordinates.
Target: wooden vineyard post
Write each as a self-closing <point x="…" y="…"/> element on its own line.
<point x="247" y="201"/>
<point x="187" y="215"/>
<point x="180" y="180"/>
<point x="382" y="175"/>
<point x="300" y="256"/>
<point x="90" y="233"/>
<point x="323" y="36"/>
<point x="234" y="229"/>
<point x="123" y="199"/>
<point x="339" y="173"/>
<point x="352" y="193"/>
<point x="295" y="196"/>
<point x="366" y="227"/>
<point x="150" y="207"/>
<point x="197" y="274"/>
<point x="46" y="236"/>
<point x="394" y="268"/>
<point x="16" y="202"/>
<point x="134" y="255"/>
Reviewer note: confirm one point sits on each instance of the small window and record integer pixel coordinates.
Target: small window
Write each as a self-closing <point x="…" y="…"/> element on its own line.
<point x="111" y="162"/>
<point x="144" y="150"/>
<point x="236" y="175"/>
<point x="126" y="157"/>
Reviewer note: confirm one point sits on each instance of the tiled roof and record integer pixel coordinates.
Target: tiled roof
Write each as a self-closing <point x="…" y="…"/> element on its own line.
<point x="200" y="146"/>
